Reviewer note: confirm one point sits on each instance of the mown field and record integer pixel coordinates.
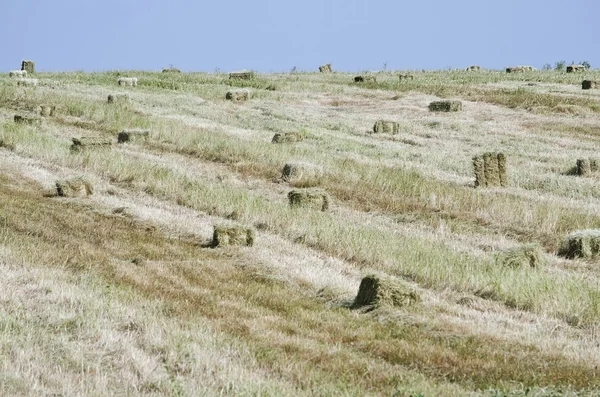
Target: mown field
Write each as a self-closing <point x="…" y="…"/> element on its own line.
<point x="122" y="292"/>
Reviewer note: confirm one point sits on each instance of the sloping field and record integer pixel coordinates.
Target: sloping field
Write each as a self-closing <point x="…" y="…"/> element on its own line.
<point x="119" y="289"/>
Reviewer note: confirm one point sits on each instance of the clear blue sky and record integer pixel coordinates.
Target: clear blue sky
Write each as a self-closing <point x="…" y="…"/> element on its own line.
<point x="276" y="35"/>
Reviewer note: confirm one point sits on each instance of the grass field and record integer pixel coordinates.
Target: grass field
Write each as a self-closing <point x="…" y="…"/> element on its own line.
<point x="122" y="293"/>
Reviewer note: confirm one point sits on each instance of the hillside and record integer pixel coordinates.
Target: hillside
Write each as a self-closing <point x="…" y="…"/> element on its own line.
<point x="123" y="292"/>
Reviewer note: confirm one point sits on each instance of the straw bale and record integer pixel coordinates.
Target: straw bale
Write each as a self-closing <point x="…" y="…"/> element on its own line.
<point x="296" y="172"/>
<point x="238" y="95"/>
<point x="242" y="75"/>
<point x="581" y="244"/>
<point x="316" y="199"/>
<point x="287" y="137"/>
<point x="445" y="106"/>
<point x="225" y="235"/>
<point x="526" y="255"/>
<point x="29" y="66"/>
<point x="76" y="187"/>
<point x="384" y="291"/>
<point x="584" y="167"/>
<point x="575" y="68"/>
<point x="385" y="126"/>
<point x="47" y="110"/>
<point x="325" y="68"/>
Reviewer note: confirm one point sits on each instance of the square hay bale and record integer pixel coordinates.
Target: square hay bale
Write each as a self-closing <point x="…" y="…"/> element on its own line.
<point x="134" y="134"/>
<point x="325" y="68"/>
<point x="384" y="291"/>
<point x="479" y="167"/>
<point x="526" y="255"/>
<point x="29" y="66"/>
<point x="316" y="199"/>
<point x="520" y="69"/>
<point x="365" y="79"/>
<point x="31" y="120"/>
<point x="128" y="81"/>
<point x="76" y="187"/>
<point x="581" y="244"/>
<point x="502" y="171"/>
<point x="406" y="76"/>
<point x="473" y="68"/>
<point x="241" y="75"/>
<point x="589" y="84"/>
<point x="490" y="170"/>
<point x="386" y="127"/>
<point x="287" y="137"/>
<point x="171" y="70"/>
<point x="237" y="95"/>
<point x="27" y="82"/>
<point x="225" y="235"/>
<point x="86" y="142"/>
<point x="301" y="172"/>
<point x="445" y="106"/>
<point x="118" y="99"/>
<point x="575" y="68"/>
<point x="47" y="110"/>
<point x="584" y="167"/>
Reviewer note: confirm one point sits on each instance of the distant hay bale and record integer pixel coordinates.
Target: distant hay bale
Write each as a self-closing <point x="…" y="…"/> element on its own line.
<point x="237" y="95"/>
<point x="131" y="135"/>
<point x="241" y="75"/>
<point x="225" y="235"/>
<point x="520" y="69"/>
<point x="47" y="110"/>
<point x="581" y="244"/>
<point x="575" y="68"/>
<point x="297" y="172"/>
<point x="380" y="291"/>
<point x="527" y="255"/>
<point x="589" y="84"/>
<point x="128" y="81"/>
<point x="287" y="137"/>
<point x="90" y="142"/>
<point x="29" y="66"/>
<point x="325" y="68"/>
<point x="171" y="70"/>
<point x="365" y="79"/>
<point x="490" y="170"/>
<point x="386" y="127"/>
<point x="76" y="187"/>
<point x="17" y="73"/>
<point x="27" y="82"/>
<point x="23" y="119"/>
<point x="316" y="199"/>
<point x="406" y="76"/>
<point x="585" y="167"/>
<point x="118" y="98"/>
<point x="445" y="106"/>
<point x="473" y="68"/>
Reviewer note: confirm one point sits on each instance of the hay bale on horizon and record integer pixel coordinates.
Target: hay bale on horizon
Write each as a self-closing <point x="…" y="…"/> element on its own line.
<point x="384" y="291"/>
<point x="520" y="69"/>
<point x="583" y="244"/>
<point x="490" y="170"/>
<point x="241" y="75"/>
<point x="90" y="142"/>
<point x="473" y="68"/>
<point x="589" y="84"/>
<point x="445" y="106"/>
<point x="575" y="68"/>
<point x="237" y="95"/>
<point x="29" y="66"/>
<point x="226" y="235"/>
<point x="316" y="199"/>
<point x="287" y="137"/>
<point x="133" y="134"/>
<point x="526" y="255"/>
<point x="386" y="127"/>
<point x="406" y="76"/>
<point x="171" y="70"/>
<point x="23" y="119"/>
<point x="117" y="98"/>
<point x="47" y="110"/>
<point x="325" y="68"/>
<point x="365" y="79"/>
<point x="301" y="172"/>
<point x="75" y="187"/>
<point x="128" y="81"/>
<point x="27" y="82"/>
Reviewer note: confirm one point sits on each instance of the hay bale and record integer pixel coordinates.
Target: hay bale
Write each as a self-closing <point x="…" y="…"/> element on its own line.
<point x="316" y="199"/>
<point x="581" y="244"/>
<point x="118" y="98"/>
<point x="31" y="120"/>
<point x="325" y="68"/>
<point x="584" y="167"/>
<point x="502" y="171"/>
<point x="47" y="110"/>
<point x="473" y="68"/>
<point x="29" y="66"/>
<point x="237" y="95"/>
<point x="287" y="137"/>
<point x="406" y="76"/>
<point x="241" y="75"/>
<point x="589" y="84"/>
<point x="224" y="235"/>
<point x="527" y="255"/>
<point x="171" y="70"/>
<point x="76" y="187"/>
<point x="380" y="291"/>
<point x="90" y="142"/>
<point x="364" y="79"/>
<point x="128" y="81"/>
<point x="131" y="135"/>
<point x="386" y="127"/>
<point x="297" y="172"/>
<point x="445" y="106"/>
<point x="490" y="170"/>
<point x="479" y="166"/>
<point x="575" y="68"/>
<point x="27" y="82"/>
<point x="17" y="73"/>
<point x="520" y="69"/>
